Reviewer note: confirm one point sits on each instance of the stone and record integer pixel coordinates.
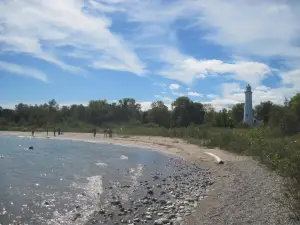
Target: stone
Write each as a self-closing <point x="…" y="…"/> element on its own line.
<point x="161" y="221"/>
<point x="136" y="220"/>
<point x="162" y="201"/>
<point x="77" y="215"/>
<point x="150" y="192"/>
<point x="116" y="202"/>
<point x="148" y="217"/>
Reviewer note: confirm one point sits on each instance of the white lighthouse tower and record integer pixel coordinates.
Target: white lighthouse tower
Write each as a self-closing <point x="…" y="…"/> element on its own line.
<point x="248" y="111"/>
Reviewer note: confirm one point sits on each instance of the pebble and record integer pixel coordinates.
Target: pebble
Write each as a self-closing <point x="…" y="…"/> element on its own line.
<point x="148" y="217"/>
<point x="164" y="199"/>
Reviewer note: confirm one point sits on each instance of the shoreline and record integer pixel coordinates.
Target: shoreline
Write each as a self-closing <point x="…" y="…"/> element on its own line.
<point x="170" y="146"/>
<point x="244" y="191"/>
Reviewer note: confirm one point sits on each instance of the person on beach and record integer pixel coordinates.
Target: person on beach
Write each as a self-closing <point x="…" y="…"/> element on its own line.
<point x="47" y="131"/>
<point x="105" y="133"/>
<point x="32" y="133"/>
<point x="54" y="132"/>
<point x="58" y="131"/>
<point x="94" y="131"/>
<point x="109" y="133"/>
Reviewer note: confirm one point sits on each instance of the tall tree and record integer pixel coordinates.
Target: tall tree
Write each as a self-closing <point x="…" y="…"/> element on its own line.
<point x="237" y="113"/>
<point x="186" y="112"/>
<point x="159" y="114"/>
<point x="263" y="111"/>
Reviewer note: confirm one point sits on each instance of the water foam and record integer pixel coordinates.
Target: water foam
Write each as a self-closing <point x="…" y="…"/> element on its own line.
<point x="134" y="174"/>
<point x="101" y="164"/>
<point x="123" y="157"/>
<point x="88" y="203"/>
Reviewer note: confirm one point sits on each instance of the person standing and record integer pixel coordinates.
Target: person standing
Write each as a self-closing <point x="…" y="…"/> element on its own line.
<point x="54" y="132"/>
<point x="94" y="131"/>
<point x="105" y="133"/>
<point x="32" y="133"/>
<point x="47" y="131"/>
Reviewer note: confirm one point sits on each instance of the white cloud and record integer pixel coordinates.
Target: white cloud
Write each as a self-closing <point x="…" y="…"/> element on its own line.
<point x="163" y="98"/>
<point x="23" y="71"/>
<point x="174" y="86"/>
<point x="212" y="96"/>
<point x="42" y="28"/>
<point x="186" y="69"/>
<point x="229" y="88"/>
<point x="179" y="94"/>
<point x="195" y="94"/>
<point x="263" y="28"/>
<point x="147" y="105"/>
<point x="260" y="94"/>
<point x="292" y="77"/>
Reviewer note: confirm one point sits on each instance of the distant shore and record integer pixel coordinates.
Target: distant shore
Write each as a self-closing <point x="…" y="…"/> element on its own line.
<point x="242" y="190"/>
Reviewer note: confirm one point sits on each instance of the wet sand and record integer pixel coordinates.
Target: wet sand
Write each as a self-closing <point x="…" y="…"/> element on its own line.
<point x="244" y="192"/>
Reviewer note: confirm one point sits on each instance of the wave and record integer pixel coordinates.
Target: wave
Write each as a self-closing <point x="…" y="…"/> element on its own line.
<point x="123" y="157"/>
<point x="101" y="164"/>
<point x="88" y="203"/>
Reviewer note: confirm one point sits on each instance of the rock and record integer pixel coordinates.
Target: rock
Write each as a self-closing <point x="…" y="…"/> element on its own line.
<point x="161" y="221"/>
<point x="47" y="203"/>
<point x="171" y="216"/>
<point x="30" y="148"/>
<point x="116" y="202"/>
<point x="150" y="192"/>
<point x="162" y="201"/>
<point x="77" y="215"/>
<point x="148" y="217"/>
<point x="189" y="199"/>
<point x="179" y="219"/>
<point x="136" y="220"/>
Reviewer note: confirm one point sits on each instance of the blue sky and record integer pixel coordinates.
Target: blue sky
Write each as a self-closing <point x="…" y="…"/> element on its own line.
<point x="78" y="50"/>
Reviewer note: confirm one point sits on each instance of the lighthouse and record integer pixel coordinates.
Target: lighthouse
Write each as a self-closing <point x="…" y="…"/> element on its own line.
<point x="248" y="111"/>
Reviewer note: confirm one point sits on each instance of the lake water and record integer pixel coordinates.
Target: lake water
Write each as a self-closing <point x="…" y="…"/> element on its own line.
<point x="48" y="184"/>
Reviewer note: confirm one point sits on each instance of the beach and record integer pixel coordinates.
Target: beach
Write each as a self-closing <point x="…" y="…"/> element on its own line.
<point x="240" y="191"/>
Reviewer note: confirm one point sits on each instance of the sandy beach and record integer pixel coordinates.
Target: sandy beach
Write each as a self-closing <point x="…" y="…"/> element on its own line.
<point x="244" y="191"/>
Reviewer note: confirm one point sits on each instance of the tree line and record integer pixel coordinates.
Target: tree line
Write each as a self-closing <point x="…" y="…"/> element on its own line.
<point x="185" y="112"/>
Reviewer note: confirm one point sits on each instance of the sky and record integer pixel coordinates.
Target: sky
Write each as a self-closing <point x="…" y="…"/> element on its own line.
<point x="80" y="50"/>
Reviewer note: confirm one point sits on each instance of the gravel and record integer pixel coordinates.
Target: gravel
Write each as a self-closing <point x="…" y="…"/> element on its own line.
<point x="245" y="193"/>
<point x="161" y="199"/>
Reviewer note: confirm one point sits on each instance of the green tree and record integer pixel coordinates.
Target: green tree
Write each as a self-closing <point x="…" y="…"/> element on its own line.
<point x="237" y="113"/>
<point x="290" y="123"/>
<point x="159" y="114"/>
<point x="294" y="103"/>
<point x="263" y="111"/>
<point x="186" y="112"/>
